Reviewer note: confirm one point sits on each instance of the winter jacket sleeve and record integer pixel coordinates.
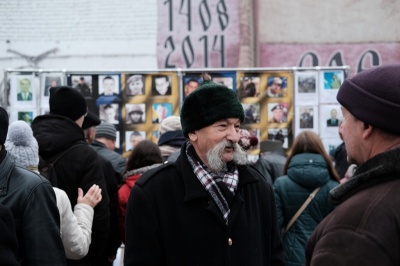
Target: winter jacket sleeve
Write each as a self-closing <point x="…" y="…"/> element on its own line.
<point x="76" y="227"/>
<point x="40" y="228"/>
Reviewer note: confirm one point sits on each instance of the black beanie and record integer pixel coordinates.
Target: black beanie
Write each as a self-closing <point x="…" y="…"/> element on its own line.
<point x="3" y="125"/>
<point x="68" y="102"/>
<point x="373" y="96"/>
<point x="209" y="103"/>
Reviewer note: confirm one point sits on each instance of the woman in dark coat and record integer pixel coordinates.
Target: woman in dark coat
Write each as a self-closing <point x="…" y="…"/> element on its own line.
<point x="307" y="168"/>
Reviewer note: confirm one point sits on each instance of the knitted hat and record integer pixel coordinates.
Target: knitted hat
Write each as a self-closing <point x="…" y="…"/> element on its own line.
<point x="22" y="145"/>
<point x="68" y="102"/>
<point x="209" y="103"/>
<point x="106" y="130"/>
<point x="3" y="125"/>
<point x="171" y="123"/>
<point x="91" y="120"/>
<point x="373" y="96"/>
<point x="247" y="140"/>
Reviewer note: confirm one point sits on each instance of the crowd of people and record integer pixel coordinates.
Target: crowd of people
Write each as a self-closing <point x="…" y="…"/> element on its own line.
<point x="68" y="198"/>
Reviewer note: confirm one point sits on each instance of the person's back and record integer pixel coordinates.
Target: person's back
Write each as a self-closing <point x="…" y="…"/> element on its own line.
<point x="272" y="160"/>
<point x="32" y="201"/>
<point x="144" y="157"/>
<point x="308" y="167"/>
<point x="104" y="145"/>
<point x="80" y="166"/>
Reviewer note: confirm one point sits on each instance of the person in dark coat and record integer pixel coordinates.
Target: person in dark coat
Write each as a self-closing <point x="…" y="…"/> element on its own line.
<point x="363" y="229"/>
<point x="32" y="201"/>
<point x="271" y="161"/>
<point x="112" y="178"/>
<point x="80" y="166"/>
<point x="209" y="207"/>
<point x="307" y="167"/>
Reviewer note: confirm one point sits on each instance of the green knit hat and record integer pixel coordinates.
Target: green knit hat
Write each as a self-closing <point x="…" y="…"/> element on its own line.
<point x="209" y="103"/>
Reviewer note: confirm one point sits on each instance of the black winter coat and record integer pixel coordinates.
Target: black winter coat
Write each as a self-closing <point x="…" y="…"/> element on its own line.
<point x="172" y="220"/>
<point x="32" y="201"/>
<point x="80" y="167"/>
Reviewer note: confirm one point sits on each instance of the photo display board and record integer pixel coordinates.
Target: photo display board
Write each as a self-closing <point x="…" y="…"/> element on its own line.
<point x="278" y="103"/>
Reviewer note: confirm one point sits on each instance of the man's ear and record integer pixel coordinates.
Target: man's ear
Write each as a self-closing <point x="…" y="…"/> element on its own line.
<point x="368" y="130"/>
<point x="193" y="136"/>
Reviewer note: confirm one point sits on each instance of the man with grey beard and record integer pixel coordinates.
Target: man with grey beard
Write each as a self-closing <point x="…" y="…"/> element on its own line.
<point x="209" y="207"/>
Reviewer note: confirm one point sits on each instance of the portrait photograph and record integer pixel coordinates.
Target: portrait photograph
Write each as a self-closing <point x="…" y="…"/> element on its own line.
<point x="108" y="89"/>
<point x="306" y="92"/>
<point x="277" y="112"/>
<point x="23" y="90"/>
<point x="83" y="83"/>
<point x="135" y="85"/>
<point x="306" y="118"/>
<point x="161" y="111"/>
<point x="50" y="81"/>
<point x="135" y="113"/>
<point x="333" y="79"/>
<point x="190" y="83"/>
<point x="276" y="87"/>
<point x="161" y="85"/>
<point x="330" y="117"/>
<point x="249" y="86"/>
<point x="251" y="113"/>
<point x="109" y="113"/>
<point x="26" y="116"/>
<point x="132" y="138"/>
<point x="330" y="82"/>
<point x="279" y="134"/>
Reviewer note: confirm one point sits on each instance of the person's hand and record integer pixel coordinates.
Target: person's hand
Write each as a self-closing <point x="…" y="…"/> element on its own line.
<point x="92" y="197"/>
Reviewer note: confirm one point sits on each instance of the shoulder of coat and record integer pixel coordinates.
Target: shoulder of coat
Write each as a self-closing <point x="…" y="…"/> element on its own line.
<point x="146" y="177"/>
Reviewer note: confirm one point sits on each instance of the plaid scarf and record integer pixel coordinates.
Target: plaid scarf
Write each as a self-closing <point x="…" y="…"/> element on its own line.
<point x="221" y="187"/>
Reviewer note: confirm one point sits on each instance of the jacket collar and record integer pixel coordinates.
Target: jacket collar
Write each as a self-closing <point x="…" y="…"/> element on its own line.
<point x="380" y="168"/>
<point x="194" y="189"/>
<point x="6" y="167"/>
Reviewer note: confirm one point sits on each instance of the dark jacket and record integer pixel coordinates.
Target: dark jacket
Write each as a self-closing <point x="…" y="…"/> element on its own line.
<point x="32" y="201"/>
<point x="271" y="165"/>
<point x="117" y="161"/>
<point x="8" y="239"/>
<point x="364" y="227"/>
<point x="172" y="220"/>
<point x="114" y="237"/>
<point x="80" y="167"/>
<point x="305" y="172"/>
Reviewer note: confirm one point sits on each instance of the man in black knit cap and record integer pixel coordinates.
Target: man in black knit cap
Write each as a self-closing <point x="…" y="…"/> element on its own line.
<point x="32" y="201"/>
<point x="209" y="207"/>
<point x="363" y="229"/>
<point x="78" y="167"/>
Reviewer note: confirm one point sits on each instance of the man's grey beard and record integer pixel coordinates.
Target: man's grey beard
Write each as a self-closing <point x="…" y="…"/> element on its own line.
<point x="214" y="156"/>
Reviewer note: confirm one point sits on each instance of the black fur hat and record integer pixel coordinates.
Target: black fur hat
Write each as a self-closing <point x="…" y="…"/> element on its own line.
<point x="209" y="103"/>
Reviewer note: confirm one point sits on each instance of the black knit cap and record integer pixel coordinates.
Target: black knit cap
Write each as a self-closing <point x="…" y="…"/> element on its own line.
<point x="3" y="125"/>
<point x="91" y="120"/>
<point x="373" y="96"/>
<point x="209" y="103"/>
<point x="68" y="102"/>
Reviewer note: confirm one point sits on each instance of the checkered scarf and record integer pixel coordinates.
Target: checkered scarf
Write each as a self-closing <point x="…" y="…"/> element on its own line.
<point x="211" y="180"/>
